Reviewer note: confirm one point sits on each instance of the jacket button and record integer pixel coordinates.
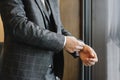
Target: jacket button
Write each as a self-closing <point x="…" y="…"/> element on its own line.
<point x="50" y="66"/>
<point x="57" y="78"/>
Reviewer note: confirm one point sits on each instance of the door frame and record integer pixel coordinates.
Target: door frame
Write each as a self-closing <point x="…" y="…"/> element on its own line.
<point x="87" y="34"/>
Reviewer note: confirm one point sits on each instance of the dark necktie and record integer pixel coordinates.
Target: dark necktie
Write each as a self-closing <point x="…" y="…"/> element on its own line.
<point x="47" y="9"/>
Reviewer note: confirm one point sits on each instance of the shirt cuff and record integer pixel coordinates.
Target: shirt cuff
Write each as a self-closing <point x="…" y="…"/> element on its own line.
<point x="65" y="41"/>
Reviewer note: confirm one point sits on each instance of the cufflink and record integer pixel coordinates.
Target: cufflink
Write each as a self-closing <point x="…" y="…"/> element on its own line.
<point x="77" y="53"/>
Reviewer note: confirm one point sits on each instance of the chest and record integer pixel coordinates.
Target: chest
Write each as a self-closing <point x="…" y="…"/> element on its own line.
<point x="34" y="10"/>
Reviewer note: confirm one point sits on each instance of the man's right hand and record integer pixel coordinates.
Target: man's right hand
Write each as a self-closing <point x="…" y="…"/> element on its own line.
<point x="72" y="44"/>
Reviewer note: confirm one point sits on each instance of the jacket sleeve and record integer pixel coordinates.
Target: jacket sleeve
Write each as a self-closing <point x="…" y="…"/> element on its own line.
<point x="23" y="30"/>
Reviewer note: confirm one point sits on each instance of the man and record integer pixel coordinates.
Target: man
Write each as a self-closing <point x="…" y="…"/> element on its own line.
<point x="34" y="40"/>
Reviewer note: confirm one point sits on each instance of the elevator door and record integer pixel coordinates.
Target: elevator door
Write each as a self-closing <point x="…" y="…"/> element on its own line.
<point x="106" y="39"/>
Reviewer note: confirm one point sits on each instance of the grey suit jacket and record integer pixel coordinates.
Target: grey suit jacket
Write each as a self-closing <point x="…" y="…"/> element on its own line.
<point x="29" y="46"/>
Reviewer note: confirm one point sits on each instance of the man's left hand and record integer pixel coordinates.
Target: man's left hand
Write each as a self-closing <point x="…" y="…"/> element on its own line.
<point x="88" y="56"/>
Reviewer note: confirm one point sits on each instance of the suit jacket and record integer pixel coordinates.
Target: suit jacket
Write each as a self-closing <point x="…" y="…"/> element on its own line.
<point x="29" y="46"/>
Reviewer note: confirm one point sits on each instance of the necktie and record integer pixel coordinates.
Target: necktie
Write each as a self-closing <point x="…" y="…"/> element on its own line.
<point x="47" y="9"/>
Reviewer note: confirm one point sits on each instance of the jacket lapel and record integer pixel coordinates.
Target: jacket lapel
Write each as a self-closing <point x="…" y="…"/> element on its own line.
<point x="38" y="4"/>
<point x="53" y="4"/>
<point x="55" y="11"/>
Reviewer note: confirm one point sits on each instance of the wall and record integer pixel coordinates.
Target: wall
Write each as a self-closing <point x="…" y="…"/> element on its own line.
<point x="71" y="18"/>
<point x="99" y="24"/>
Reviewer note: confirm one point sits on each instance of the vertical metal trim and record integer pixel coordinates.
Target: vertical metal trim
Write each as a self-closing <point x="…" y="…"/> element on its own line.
<point x="87" y="34"/>
<point x="83" y="37"/>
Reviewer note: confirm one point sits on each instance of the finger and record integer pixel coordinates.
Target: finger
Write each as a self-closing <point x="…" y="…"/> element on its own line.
<point x="90" y="60"/>
<point x="81" y="43"/>
<point x="85" y="64"/>
<point x="93" y="59"/>
<point x="89" y="63"/>
<point x="70" y="51"/>
<point x="96" y="57"/>
<point x="79" y="47"/>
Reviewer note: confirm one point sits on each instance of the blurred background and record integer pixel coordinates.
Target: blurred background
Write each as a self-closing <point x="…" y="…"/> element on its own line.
<point x="97" y="22"/>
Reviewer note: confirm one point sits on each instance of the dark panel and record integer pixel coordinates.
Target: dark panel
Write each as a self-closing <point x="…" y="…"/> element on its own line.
<point x="0" y="47"/>
<point x="99" y="24"/>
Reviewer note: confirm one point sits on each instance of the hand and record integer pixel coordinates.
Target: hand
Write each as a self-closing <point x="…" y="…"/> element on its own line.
<point x="72" y="44"/>
<point x="88" y="56"/>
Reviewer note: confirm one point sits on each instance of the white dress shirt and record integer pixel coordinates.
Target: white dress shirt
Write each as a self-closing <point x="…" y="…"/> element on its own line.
<point x="43" y="1"/>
